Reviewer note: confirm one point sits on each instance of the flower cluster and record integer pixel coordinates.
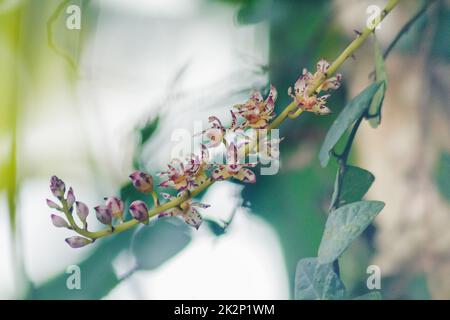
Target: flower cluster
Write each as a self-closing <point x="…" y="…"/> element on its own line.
<point x="191" y="173"/>
<point x="110" y="213"/>
<point x="306" y="96"/>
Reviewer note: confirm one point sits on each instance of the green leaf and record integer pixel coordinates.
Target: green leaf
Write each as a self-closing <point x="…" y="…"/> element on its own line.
<point x="97" y="276"/>
<point x="380" y="76"/>
<point x="375" y="295"/>
<point x="218" y="228"/>
<point x="355" y="183"/>
<point x="155" y="244"/>
<point x="254" y="11"/>
<point x="442" y="174"/>
<point x="352" y="111"/>
<point x="314" y="281"/>
<point x="344" y="225"/>
<point x="147" y="131"/>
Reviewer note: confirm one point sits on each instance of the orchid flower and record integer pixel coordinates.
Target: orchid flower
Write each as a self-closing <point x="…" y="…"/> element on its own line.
<point x="256" y="111"/>
<point x="233" y="169"/>
<point x="187" y="175"/>
<point x="187" y="210"/>
<point x="314" y="103"/>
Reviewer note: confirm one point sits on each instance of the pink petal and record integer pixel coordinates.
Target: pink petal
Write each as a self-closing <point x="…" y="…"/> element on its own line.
<point x="59" y="222"/>
<point x="77" y="242"/>
<point x="193" y="218"/>
<point x="246" y="175"/>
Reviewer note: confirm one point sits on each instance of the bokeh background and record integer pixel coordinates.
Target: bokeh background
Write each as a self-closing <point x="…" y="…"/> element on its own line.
<point x="91" y="105"/>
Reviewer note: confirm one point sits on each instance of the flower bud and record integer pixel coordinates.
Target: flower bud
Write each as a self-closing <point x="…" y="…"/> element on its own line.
<point x="139" y="211"/>
<point x="77" y="241"/>
<point x="70" y="198"/>
<point x="59" y="222"/>
<point x="53" y="205"/>
<point x="116" y="206"/>
<point x="104" y="214"/>
<point x="57" y="187"/>
<point x="82" y="211"/>
<point x="142" y="181"/>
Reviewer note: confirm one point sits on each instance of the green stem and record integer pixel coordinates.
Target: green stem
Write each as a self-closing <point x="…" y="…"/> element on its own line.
<point x="352" y="47"/>
<point x="342" y="160"/>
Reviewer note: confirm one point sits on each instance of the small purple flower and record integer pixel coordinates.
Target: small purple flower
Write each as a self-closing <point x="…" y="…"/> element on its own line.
<point x="53" y="205"/>
<point x="82" y="211"/>
<point x="70" y="198"/>
<point x="142" y="181"/>
<point x="57" y="187"/>
<point x="139" y="211"/>
<point x="116" y="206"/>
<point x="77" y="242"/>
<point x="59" y="222"/>
<point x="104" y="214"/>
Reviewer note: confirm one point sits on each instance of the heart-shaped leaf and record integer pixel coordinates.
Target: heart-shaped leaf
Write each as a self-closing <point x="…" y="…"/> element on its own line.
<point x="314" y="281"/>
<point x="354" y="185"/>
<point x="344" y="225"/>
<point x="351" y="112"/>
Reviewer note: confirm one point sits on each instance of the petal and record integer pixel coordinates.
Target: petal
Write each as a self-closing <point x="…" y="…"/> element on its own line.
<point x="166" y="196"/>
<point x="78" y="242"/>
<point x="332" y="83"/>
<point x="271" y="98"/>
<point x="232" y="155"/>
<point x="322" y="66"/>
<point x="215" y="122"/>
<point x="300" y="86"/>
<point x="205" y="154"/>
<point x="104" y="214"/>
<point x="139" y="210"/>
<point x="233" y="120"/>
<point x="70" y="198"/>
<point x="57" y="187"/>
<point x="59" y="222"/>
<point x="116" y="206"/>
<point x="200" y="205"/>
<point x="53" y="205"/>
<point x="193" y="218"/>
<point x="220" y="173"/>
<point x="256" y="95"/>
<point x="246" y="175"/>
<point x="215" y="137"/>
<point x="82" y="210"/>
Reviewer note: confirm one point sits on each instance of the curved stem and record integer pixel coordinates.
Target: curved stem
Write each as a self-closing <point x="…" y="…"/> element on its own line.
<point x="352" y="47"/>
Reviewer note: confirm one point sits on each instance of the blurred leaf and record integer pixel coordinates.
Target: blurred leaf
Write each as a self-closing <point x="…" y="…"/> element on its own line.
<point x="216" y="227"/>
<point x="352" y="111"/>
<point x="97" y="274"/>
<point x="291" y="203"/>
<point x="314" y="281"/>
<point x="380" y="76"/>
<point x="355" y="183"/>
<point x="68" y="43"/>
<point x="417" y="288"/>
<point x="440" y="47"/>
<point x="254" y="11"/>
<point x="147" y="131"/>
<point x="344" y="225"/>
<point x="155" y="244"/>
<point x="375" y="295"/>
<point x="442" y="174"/>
